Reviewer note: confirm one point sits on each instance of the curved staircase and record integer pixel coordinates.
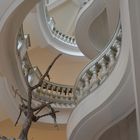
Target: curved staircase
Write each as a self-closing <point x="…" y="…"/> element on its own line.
<point x="103" y="92"/>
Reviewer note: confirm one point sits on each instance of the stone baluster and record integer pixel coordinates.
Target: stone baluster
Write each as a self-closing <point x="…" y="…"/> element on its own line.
<point x="43" y="91"/>
<point x="103" y="71"/>
<point x="59" y="35"/>
<point x="49" y="89"/>
<point x="71" y="40"/>
<point x="44" y="88"/>
<point x="66" y="37"/>
<point x="68" y="94"/>
<point x="86" y="80"/>
<point x="62" y="93"/>
<point x="79" y="90"/>
<point x="23" y="49"/>
<point x="111" y="55"/>
<point x="51" y="23"/>
<point x="46" y="91"/>
<point x="51" y="92"/>
<point x="116" y="46"/>
<point x="25" y="68"/>
<point x="54" y="91"/>
<point x="71" y="96"/>
<point x="63" y="37"/>
<point x="94" y="81"/>
<point x="68" y="40"/>
<point x="71" y="93"/>
<point x="56" y="32"/>
<point x="53" y="30"/>
<point x="58" y="92"/>
<point x="119" y="36"/>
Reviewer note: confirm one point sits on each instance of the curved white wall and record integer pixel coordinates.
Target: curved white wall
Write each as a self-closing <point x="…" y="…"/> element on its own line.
<point x="88" y="43"/>
<point x="9" y="26"/>
<point x="4" y="5"/>
<point x="10" y="65"/>
<point x="126" y="129"/>
<point x="6" y="8"/>
<point x="7" y="99"/>
<point x="107" y="104"/>
<point x="113" y="100"/>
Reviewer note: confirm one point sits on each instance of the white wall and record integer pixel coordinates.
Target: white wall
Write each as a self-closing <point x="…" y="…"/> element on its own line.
<point x="4" y="5"/>
<point x="134" y="11"/>
<point x="99" y="31"/>
<point x="124" y="130"/>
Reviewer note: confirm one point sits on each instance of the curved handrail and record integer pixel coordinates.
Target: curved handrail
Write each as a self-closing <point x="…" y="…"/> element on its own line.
<point x="99" y="68"/>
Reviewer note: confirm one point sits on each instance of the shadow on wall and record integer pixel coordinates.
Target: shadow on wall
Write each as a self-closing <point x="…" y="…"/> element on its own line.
<point x="126" y="129"/>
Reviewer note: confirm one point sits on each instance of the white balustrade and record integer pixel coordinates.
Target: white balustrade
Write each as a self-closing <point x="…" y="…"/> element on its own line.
<point x="111" y="55"/>
<point x="97" y="71"/>
<point x="94" y="81"/>
<point x="59" y="35"/>
<point x="103" y="71"/>
<point x="86" y="84"/>
<point x="90" y="78"/>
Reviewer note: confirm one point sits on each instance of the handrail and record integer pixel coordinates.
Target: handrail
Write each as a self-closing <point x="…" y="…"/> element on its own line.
<point x="99" y="68"/>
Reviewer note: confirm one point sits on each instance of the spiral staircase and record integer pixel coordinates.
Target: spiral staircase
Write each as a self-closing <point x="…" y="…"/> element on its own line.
<point x="103" y="93"/>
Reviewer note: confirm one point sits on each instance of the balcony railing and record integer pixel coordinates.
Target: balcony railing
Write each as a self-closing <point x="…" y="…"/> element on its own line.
<point x="60" y="95"/>
<point x="70" y="40"/>
<point x="97" y="71"/>
<point x="92" y="76"/>
<point x="56" y="33"/>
